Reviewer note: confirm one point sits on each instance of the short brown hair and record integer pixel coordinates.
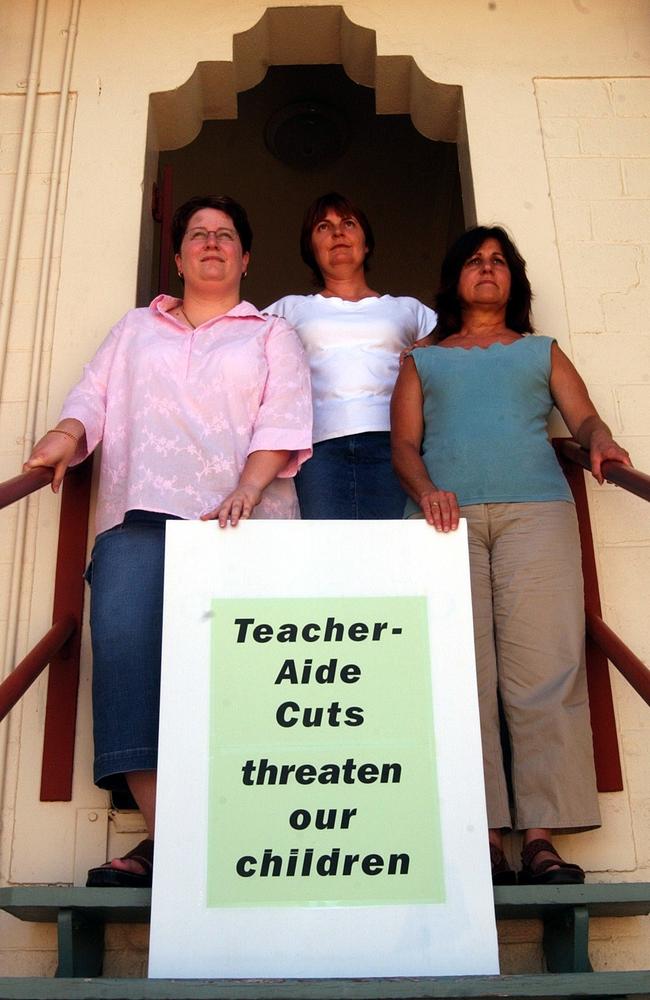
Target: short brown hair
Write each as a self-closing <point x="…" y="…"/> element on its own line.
<point x="316" y="213"/>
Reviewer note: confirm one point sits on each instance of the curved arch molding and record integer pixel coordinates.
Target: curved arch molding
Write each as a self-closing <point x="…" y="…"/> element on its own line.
<point x="295" y="36"/>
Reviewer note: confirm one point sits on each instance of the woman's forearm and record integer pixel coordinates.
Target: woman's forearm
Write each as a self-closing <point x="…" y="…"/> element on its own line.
<point x="72" y="426"/>
<point x="439" y="507"/>
<point x="411" y="471"/>
<point x="594" y="435"/>
<point x="590" y="427"/>
<point x="262" y="467"/>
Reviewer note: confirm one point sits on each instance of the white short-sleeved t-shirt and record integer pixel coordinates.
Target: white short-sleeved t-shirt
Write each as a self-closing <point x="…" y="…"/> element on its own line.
<point x="353" y="351"/>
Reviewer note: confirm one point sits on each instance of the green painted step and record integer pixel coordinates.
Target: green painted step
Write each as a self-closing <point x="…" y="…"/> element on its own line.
<point x="604" y="899"/>
<point x="42" y="903"/>
<point x="588" y="984"/>
<point x="81" y="914"/>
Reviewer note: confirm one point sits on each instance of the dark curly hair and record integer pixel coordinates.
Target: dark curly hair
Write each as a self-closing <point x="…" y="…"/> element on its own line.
<point x="448" y="305"/>
<point x="223" y="203"/>
<point x="316" y="213"/>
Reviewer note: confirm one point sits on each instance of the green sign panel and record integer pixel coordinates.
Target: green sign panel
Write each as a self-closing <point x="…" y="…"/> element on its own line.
<point x="322" y="757"/>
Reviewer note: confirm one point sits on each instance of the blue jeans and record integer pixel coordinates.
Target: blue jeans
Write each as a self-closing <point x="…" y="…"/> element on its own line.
<point x="350" y="478"/>
<point x="126" y="577"/>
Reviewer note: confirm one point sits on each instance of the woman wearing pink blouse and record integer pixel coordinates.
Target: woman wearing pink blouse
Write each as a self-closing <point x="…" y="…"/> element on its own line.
<point x="203" y="409"/>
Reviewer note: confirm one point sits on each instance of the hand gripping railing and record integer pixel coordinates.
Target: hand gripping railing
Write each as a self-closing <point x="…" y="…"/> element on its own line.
<point x="21" y="486"/>
<point x="60" y="646"/>
<point x="614" y="472"/>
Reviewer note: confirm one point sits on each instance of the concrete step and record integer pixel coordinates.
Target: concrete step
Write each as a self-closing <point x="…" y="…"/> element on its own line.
<point x="586" y="984"/>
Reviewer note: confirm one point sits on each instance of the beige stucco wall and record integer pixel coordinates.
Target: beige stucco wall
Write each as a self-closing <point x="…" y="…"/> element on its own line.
<point x="597" y="144"/>
<point x="555" y="144"/>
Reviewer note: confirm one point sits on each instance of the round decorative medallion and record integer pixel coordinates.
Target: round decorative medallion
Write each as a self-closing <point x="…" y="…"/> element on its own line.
<point x="306" y="134"/>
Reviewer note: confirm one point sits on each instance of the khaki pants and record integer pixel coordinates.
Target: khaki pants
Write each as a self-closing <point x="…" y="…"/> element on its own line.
<point x="528" y="603"/>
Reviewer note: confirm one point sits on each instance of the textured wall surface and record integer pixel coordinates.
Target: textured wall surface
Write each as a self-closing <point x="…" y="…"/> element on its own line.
<point x="553" y="141"/>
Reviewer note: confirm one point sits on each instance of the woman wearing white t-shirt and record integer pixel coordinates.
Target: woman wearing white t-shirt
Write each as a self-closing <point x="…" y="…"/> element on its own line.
<point x="353" y="337"/>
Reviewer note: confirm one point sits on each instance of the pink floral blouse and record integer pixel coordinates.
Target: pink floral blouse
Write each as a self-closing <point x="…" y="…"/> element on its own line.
<point x="178" y="411"/>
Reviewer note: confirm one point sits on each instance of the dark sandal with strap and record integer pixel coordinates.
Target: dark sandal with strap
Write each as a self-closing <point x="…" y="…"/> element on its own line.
<point x="502" y="873"/>
<point x="550" y="871"/>
<point x="106" y="875"/>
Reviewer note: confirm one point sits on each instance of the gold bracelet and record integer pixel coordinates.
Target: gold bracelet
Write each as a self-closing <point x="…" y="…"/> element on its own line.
<point x="58" y="430"/>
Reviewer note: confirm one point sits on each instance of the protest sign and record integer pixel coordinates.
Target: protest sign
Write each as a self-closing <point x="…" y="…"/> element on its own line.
<point x="321" y="809"/>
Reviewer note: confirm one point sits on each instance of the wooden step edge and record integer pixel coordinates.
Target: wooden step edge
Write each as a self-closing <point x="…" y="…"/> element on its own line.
<point x="42" y="903"/>
<point x="584" y="984"/>
<point x="505" y="893"/>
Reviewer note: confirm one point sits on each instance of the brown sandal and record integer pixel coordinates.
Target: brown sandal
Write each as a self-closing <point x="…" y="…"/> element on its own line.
<point x="502" y="873"/>
<point x="106" y="875"/>
<point x="550" y="871"/>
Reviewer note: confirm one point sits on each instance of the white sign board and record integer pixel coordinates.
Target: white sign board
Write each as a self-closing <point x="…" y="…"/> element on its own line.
<point x="321" y="810"/>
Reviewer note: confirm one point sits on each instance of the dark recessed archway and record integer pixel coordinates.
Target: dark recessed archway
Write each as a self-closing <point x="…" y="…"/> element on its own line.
<point x="305" y="130"/>
<point x="405" y="157"/>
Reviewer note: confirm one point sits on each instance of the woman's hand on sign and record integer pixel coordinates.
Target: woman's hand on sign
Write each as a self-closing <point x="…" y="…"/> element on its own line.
<point x="237" y="507"/>
<point x="440" y="508"/>
<point x="260" y="470"/>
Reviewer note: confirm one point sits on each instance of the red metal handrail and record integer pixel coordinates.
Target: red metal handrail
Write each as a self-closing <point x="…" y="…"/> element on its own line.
<point x="614" y="472"/>
<point x="24" y="484"/>
<point x="621" y="656"/>
<point x="626" y="662"/>
<point x="60" y="646"/>
<point x="23" y="676"/>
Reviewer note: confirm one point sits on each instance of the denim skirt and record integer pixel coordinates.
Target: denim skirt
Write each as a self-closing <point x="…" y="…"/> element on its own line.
<point x="126" y="575"/>
<point x="350" y="478"/>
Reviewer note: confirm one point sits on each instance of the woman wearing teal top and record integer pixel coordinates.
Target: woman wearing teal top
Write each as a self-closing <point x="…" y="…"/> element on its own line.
<point x="469" y="436"/>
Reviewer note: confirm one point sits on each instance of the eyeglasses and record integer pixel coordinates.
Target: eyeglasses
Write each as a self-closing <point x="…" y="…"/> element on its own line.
<point x="203" y="235"/>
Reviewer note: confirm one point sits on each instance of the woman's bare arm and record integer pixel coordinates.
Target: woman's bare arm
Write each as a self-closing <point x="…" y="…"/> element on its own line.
<point x="439" y="507"/>
<point x="580" y="415"/>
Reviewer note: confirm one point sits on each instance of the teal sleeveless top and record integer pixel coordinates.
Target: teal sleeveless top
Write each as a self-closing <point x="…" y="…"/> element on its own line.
<point x="485" y="422"/>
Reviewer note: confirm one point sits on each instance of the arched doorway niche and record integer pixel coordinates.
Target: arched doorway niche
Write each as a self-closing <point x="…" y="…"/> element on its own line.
<point x="301" y="37"/>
